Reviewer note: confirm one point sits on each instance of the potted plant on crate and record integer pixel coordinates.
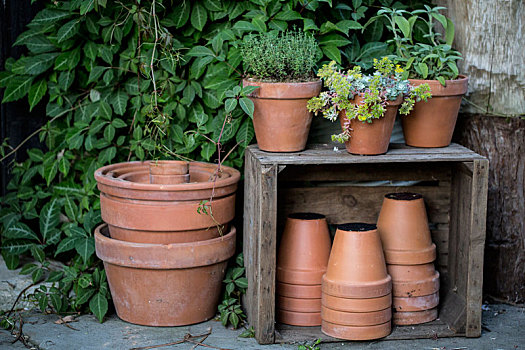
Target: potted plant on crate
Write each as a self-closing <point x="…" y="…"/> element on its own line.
<point x="366" y="104"/>
<point x="427" y="59"/>
<point x="281" y="67"/>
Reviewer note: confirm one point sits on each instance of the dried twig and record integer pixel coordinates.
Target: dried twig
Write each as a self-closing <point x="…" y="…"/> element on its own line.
<point x="18" y="298"/>
<point x="187" y="337"/>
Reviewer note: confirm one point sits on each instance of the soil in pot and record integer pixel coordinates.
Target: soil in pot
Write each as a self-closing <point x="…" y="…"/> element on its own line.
<point x="280" y="119"/>
<point x="431" y="123"/>
<point x="165" y="284"/>
<point x="371" y="138"/>
<point x="403" y="227"/>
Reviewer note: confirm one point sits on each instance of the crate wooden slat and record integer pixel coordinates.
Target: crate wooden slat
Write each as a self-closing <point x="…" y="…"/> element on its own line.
<point x="453" y="181"/>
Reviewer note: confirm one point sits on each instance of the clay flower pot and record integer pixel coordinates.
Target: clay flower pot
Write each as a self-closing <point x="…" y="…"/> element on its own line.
<point x="280" y="119"/>
<point x="141" y="212"/>
<point x="298" y="305"/>
<point x="356" y="332"/>
<point x="168" y="172"/>
<point x="356" y="268"/>
<point x="356" y="304"/>
<point x="298" y="290"/>
<point x="422" y="303"/>
<point x="165" y="285"/>
<point x="304" y="249"/>
<point x="371" y="138"/>
<point x="343" y="318"/>
<point x="414" y="317"/>
<point x="413" y="280"/>
<point x="302" y="319"/>
<point x="431" y="123"/>
<point x="403" y="227"/>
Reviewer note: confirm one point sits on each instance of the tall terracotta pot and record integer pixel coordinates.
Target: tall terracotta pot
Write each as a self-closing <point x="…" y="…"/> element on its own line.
<point x="403" y="227"/>
<point x="371" y="138"/>
<point x="431" y="123"/>
<point x="164" y="284"/>
<point x="281" y="120"/>
<point x="143" y="212"/>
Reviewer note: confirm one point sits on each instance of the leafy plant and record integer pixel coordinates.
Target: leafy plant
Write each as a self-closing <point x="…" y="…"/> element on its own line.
<point x="385" y="84"/>
<point x="280" y="56"/>
<point x="426" y="55"/>
<point x="230" y="309"/>
<point x="312" y="346"/>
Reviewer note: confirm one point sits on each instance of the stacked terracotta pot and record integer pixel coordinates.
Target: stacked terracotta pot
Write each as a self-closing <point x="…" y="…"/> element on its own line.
<point x="356" y="297"/>
<point x="409" y="254"/>
<point x="301" y="263"/>
<point x="164" y="252"/>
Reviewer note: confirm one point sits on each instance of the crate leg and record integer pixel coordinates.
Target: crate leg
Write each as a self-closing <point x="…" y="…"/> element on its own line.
<point x="249" y="235"/>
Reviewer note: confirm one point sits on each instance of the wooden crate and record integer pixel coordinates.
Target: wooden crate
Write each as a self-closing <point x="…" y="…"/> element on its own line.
<point x="453" y="181"/>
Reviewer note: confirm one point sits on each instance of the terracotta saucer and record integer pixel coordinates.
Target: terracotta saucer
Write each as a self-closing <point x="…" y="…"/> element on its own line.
<point x="425" y="302"/>
<point x="356" y="318"/>
<point x="305" y="319"/>
<point x="414" y="317"/>
<point x="298" y="305"/>
<point x="356" y="304"/>
<point x="298" y="290"/>
<point x="356" y="332"/>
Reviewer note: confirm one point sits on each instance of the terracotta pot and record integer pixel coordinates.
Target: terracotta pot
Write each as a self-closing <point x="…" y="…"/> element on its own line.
<point x="356" y="268"/>
<point x="356" y="318"/>
<point x="169" y="179"/>
<point x="298" y="305"/>
<point x="356" y="332"/>
<point x="304" y="249"/>
<point x="281" y="120"/>
<point x="356" y="304"/>
<point x="413" y="280"/>
<point x="141" y="212"/>
<point x="168" y="172"/>
<point x="415" y="317"/>
<point x="165" y="285"/>
<point x="371" y="138"/>
<point x="304" y="319"/>
<point x="431" y="123"/>
<point x="298" y="291"/>
<point x="425" y="302"/>
<point x="403" y="227"/>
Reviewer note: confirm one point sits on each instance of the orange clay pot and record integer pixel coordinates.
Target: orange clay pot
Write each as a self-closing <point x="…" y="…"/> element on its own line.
<point x="298" y="305"/>
<point x="141" y="212"/>
<point x="413" y="280"/>
<point x="356" y="268"/>
<point x="415" y="317"/>
<point x="168" y="172"/>
<point x="298" y="290"/>
<point x="304" y="249"/>
<point x="280" y="119"/>
<point x="425" y="302"/>
<point x="304" y="319"/>
<point x="431" y="123"/>
<point x="165" y="285"/>
<point x="356" y="318"/>
<point x="371" y="138"/>
<point x="403" y="227"/>
<point x="356" y="332"/>
<point x="356" y="304"/>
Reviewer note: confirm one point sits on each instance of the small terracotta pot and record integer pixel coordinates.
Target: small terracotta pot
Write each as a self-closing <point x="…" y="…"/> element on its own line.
<point x="356" y="304"/>
<point x="413" y="280"/>
<point x="169" y="179"/>
<point x="298" y="291"/>
<point x="371" y="138"/>
<point x="304" y="319"/>
<point x="414" y="317"/>
<point x="280" y="119"/>
<point x="403" y="227"/>
<point x="425" y="302"/>
<point x="304" y="249"/>
<point x="356" y="332"/>
<point x="165" y="285"/>
<point x="431" y="123"/>
<point x="356" y="318"/>
<point x="168" y="167"/>
<point x="356" y="268"/>
<point x="298" y="305"/>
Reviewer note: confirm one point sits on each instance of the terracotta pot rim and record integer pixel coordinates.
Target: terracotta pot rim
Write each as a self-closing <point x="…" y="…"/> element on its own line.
<point x="357" y="332"/>
<point x="298" y="304"/>
<point x="417" y="303"/>
<point x="163" y="256"/>
<point x="284" y="91"/>
<point x="403" y="196"/>
<point x="294" y="318"/>
<point x="363" y="290"/>
<point x="433" y="277"/>
<point x="406" y="318"/>
<point x="168" y="167"/>
<point x="357" y="227"/>
<point x="356" y="304"/>
<point x="361" y="318"/>
<point x="411" y="257"/>
<point x="453" y="87"/>
<point x="303" y="277"/>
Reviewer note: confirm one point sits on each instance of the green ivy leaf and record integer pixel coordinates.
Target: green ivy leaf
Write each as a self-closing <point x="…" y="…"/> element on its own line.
<point x="38" y="253"/>
<point x="38" y="64"/>
<point x="119" y="101"/>
<point x="68" y="30"/>
<point x="36" y="92"/>
<point x="20" y="231"/>
<point x="66" y="245"/>
<point x="332" y="52"/>
<point x="245" y="133"/>
<point x="247" y="106"/>
<point x="49" y="218"/>
<point x="17" y="88"/>
<point x="49" y="16"/>
<point x="207" y="150"/>
<point x="333" y="40"/>
<point x="199" y="16"/>
<point x="200" y="51"/>
<point x="39" y="44"/>
<point x="230" y="104"/>
<point x="99" y="306"/>
<point x="181" y="14"/>
<point x="85" y="248"/>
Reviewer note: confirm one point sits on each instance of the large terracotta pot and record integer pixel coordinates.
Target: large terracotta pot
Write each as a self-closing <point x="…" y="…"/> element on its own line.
<point x="139" y="211"/>
<point x="371" y="138"/>
<point x="431" y="123"/>
<point x="403" y="227"/>
<point x="281" y="120"/>
<point x="165" y="285"/>
<point x="357" y="268"/>
<point x="304" y="249"/>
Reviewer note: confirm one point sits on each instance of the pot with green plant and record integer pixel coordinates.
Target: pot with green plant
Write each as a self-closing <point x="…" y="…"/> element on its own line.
<point x="366" y="104"/>
<point x="280" y="70"/>
<point x="428" y="59"/>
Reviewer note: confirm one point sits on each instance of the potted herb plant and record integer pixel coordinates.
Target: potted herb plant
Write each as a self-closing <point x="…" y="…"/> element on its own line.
<point x="366" y="104"/>
<point x="281" y="66"/>
<point x="428" y="59"/>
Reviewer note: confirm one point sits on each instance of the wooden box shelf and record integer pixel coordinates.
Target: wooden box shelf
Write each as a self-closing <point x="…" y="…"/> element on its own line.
<point x="347" y="188"/>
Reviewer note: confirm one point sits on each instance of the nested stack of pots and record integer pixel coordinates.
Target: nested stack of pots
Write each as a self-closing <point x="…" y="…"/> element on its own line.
<point x="301" y="263"/>
<point x="357" y="290"/>
<point x="409" y="254"/>
<point x="166" y="239"/>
